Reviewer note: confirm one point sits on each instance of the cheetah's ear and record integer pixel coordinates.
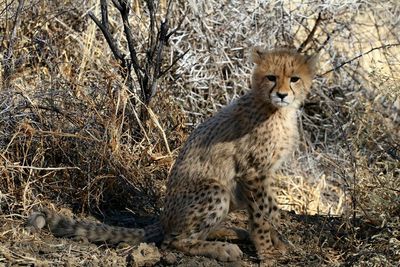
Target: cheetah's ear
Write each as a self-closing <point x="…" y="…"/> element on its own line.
<point x="258" y="54"/>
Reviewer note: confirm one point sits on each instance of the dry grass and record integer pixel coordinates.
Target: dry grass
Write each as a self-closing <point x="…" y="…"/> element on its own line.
<point x="70" y="133"/>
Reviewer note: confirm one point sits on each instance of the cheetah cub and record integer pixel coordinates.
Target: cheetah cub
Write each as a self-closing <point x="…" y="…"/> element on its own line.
<point x="227" y="163"/>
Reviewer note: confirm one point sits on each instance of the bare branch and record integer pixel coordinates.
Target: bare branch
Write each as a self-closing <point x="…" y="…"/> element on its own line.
<point x="162" y="38"/>
<point x="149" y="71"/>
<point x="125" y="64"/>
<point x="117" y="5"/>
<point x="311" y="34"/>
<point x="110" y="40"/>
<point x="104" y="13"/>
<point x="8" y="58"/>
<point x="124" y="10"/>
<point x="176" y="29"/>
<point x="152" y="39"/>
<point x="357" y="57"/>
<point x="155" y="55"/>
<point x="162" y="73"/>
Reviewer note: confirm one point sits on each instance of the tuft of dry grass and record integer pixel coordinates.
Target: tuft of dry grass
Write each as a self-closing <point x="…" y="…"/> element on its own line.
<point x="70" y="133"/>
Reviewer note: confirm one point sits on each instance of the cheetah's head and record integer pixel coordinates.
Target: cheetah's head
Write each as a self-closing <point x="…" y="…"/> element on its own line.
<point x="282" y="77"/>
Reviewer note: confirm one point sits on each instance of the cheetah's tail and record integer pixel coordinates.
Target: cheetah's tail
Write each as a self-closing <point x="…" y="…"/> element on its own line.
<point x="62" y="226"/>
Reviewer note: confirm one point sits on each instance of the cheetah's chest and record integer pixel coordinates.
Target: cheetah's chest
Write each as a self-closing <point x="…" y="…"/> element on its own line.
<point x="271" y="143"/>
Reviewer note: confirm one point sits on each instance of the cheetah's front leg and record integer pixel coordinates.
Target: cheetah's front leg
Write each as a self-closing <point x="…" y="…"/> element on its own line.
<point x="263" y="215"/>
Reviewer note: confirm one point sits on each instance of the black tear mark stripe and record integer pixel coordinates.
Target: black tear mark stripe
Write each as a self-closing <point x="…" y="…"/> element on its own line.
<point x="272" y="89"/>
<point x="290" y="86"/>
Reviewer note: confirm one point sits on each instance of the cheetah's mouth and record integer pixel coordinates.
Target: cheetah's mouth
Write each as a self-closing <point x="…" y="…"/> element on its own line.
<point x="280" y="103"/>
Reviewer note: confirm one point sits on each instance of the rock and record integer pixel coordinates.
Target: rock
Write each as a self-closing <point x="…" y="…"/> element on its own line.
<point x="170" y="258"/>
<point x="145" y="255"/>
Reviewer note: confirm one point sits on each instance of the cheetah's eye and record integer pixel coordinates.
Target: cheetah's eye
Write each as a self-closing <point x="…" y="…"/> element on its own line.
<point x="271" y="78"/>
<point x="294" y="79"/>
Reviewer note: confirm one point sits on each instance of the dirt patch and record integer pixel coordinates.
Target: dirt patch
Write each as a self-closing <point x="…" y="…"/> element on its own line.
<point x="316" y="241"/>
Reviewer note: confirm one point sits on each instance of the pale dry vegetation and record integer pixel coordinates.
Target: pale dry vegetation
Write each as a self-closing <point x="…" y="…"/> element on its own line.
<point x="74" y="133"/>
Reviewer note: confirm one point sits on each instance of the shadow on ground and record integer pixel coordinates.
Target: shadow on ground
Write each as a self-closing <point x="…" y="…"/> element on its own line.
<point x="317" y="241"/>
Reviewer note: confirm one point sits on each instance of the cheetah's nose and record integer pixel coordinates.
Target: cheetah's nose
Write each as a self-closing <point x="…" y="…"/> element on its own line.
<point x="281" y="96"/>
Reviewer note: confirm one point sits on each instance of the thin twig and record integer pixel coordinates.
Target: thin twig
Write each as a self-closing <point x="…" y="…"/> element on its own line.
<point x="162" y="39"/>
<point x="141" y="76"/>
<point x="110" y="40"/>
<point x="311" y="34"/>
<point x="117" y="5"/>
<point x="162" y="73"/>
<point x="104" y="13"/>
<point x="129" y="38"/>
<point x="157" y="123"/>
<point x="125" y="64"/>
<point x="148" y="73"/>
<point x="8" y="58"/>
<point x="42" y="168"/>
<point x="176" y="29"/>
<point x="357" y="57"/>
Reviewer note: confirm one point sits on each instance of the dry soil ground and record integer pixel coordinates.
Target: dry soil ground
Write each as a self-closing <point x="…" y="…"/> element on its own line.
<point x="317" y="241"/>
